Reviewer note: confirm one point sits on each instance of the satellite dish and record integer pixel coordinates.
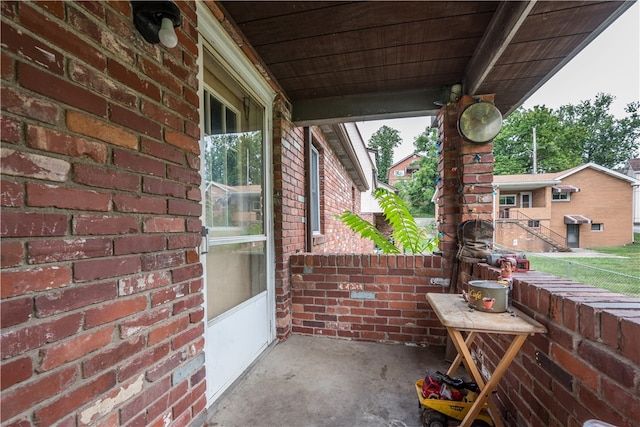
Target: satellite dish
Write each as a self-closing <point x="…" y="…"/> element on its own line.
<point x="480" y="122"/>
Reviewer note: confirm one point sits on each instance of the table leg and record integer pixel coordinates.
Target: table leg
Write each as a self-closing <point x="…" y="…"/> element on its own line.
<point x="487" y="388"/>
<point x="464" y="354"/>
<point x="456" y="362"/>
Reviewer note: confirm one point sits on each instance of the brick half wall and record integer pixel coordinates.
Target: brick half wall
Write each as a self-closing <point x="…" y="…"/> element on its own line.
<point x="367" y="297"/>
<point x="586" y="367"/>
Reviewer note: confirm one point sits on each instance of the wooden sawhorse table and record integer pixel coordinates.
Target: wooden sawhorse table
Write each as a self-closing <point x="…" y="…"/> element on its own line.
<point x="456" y="315"/>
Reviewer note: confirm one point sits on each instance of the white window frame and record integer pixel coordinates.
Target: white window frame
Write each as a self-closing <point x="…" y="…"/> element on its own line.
<point x="566" y="198"/>
<point x="314" y="202"/>
<point x="514" y="196"/>
<point x="599" y="229"/>
<point x="225" y="104"/>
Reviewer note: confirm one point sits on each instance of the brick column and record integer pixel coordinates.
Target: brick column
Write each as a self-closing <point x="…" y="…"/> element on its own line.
<point x="288" y="196"/>
<point x="476" y="191"/>
<point x="465" y="172"/>
<point x="449" y="142"/>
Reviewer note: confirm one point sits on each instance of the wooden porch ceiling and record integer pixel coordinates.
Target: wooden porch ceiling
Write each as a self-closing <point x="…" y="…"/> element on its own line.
<point x="350" y="61"/>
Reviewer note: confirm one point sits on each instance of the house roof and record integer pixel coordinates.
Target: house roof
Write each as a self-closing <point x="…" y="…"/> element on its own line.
<point x="404" y="159"/>
<point x="350" y="61"/>
<point x="363" y="155"/>
<point x="387" y="187"/>
<point x="599" y="168"/>
<point x="525" y="181"/>
<point x="634" y="164"/>
<point x="341" y="138"/>
<point x="534" y="181"/>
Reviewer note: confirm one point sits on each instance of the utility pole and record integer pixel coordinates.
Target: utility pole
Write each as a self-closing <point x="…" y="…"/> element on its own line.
<point x="535" y="152"/>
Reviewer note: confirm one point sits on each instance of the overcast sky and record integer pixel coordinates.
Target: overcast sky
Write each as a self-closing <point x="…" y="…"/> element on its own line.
<point x="609" y="64"/>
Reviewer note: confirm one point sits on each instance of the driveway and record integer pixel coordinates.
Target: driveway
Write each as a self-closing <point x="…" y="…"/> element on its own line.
<point x="576" y="253"/>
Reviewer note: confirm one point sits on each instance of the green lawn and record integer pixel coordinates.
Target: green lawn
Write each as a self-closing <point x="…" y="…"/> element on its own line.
<point x="631" y="250"/>
<point x="598" y="271"/>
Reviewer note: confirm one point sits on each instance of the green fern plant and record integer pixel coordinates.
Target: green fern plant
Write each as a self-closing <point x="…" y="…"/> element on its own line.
<point x="367" y="231"/>
<point x="410" y="237"/>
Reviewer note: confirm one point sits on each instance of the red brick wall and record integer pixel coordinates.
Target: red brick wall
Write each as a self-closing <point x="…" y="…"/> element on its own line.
<point x="102" y="320"/>
<point x="383" y="225"/>
<point x="586" y="367"/>
<point x="338" y="193"/>
<point x="366" y="297"/>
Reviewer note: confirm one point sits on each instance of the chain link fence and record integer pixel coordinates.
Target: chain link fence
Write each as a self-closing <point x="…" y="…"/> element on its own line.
<point x="595" y="276"/>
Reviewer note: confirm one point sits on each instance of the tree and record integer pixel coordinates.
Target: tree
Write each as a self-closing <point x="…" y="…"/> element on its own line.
<point x="384" y="141"/>
<point x="513" y="147"/>
<point x="602" y="138"/>
<point x="419" y="189"/>
<point x="567" y="137"/>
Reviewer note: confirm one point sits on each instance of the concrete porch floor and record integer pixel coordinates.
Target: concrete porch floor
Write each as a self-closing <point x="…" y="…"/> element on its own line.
<point x="318" y="381"/>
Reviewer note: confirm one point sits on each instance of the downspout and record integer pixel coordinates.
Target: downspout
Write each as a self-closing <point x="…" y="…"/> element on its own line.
<point x="308" y="240"/>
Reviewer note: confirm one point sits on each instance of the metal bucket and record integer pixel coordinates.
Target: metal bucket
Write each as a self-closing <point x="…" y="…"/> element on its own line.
<point x="489" y="296"/>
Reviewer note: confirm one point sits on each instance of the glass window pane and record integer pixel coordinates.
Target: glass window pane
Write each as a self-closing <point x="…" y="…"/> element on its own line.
<point x="215" y="113"/>
<point x="233" y="190"/>
<point x="508" y="200"/>
<point x="233" y="173"/>
<point x="231" y="120"/>
<point x="235" y="273"/>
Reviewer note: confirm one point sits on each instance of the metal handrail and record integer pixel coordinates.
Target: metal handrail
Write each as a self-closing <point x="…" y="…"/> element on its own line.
<point x="545" y="231"/>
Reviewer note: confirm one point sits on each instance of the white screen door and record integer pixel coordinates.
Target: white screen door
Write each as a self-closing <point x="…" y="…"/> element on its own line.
<point x="237" y="247"/>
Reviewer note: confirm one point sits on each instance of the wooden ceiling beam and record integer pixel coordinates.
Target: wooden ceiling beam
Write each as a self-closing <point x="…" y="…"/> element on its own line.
<point x="504" y="25"/>
<point x="373" y="106"/>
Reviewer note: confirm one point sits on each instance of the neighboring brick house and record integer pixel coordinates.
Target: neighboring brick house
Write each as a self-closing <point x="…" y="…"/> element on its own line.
<point x="404" y="168"/>
<point x="583" y="207"/>
<point x="632" y="169"/>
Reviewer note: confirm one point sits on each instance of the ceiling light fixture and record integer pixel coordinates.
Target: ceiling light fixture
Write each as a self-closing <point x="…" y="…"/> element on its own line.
<point x="156" y="20"/>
